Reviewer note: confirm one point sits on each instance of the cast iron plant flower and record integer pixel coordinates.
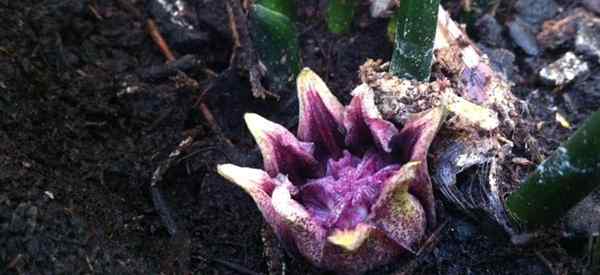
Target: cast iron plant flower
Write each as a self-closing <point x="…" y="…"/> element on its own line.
<point x="351" y="191"/>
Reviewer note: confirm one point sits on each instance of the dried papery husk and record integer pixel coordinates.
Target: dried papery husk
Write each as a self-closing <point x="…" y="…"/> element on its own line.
<point x="469" y="153"/>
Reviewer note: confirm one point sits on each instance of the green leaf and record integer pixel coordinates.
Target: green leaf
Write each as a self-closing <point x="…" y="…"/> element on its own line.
<point x="392" y="26"/>
<point x="285" y="7"/>
<point x="561" y="181"/>
<point x="275" y="39"/>
<point x="340" y="14"/>
<point x="415" y="33"/>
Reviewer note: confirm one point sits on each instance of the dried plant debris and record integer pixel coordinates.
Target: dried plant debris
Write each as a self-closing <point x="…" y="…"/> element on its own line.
<point x="471" y="135"/>
<point x="576" y="28"/>
<point x="560" y="32"/>
<point x="179" y="21"/>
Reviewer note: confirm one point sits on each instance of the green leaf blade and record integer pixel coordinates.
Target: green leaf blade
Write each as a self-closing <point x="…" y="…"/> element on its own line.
<point x="415" y="33"/>
<point x="561" y="181"/>
<point x="274" y="37"/>
<point x="285" y="7"/>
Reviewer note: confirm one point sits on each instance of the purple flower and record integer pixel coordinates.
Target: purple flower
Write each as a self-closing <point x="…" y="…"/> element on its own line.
<point x="351" y="191"/>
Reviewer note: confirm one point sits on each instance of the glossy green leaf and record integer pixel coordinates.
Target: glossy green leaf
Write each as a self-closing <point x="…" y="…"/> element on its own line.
<point x="392" y="25"/>
<point x="415" y="33"/>
<point x="275" y="39"/>
<point x="561" y="181"/>
<point x="285" y="7"/>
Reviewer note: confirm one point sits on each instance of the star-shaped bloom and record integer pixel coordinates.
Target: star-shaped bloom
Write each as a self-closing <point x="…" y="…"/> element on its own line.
<point x="350" y="191"/>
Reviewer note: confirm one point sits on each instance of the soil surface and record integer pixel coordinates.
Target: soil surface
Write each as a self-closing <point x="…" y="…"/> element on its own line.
<point x="89" y="110"/>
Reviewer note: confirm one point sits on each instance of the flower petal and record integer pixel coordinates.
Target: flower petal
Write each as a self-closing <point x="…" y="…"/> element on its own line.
<point x="364" y="123"/>
<point x="398" y="213"/>
<point x="414" y="141"/>
<point x="365" y="248"/>
<point x="321" y="114"/>
<point x="282" y="153"/>
<point x="308" y="235"/>
<point x="350" y="239"/>
<point x="259" y="185"/>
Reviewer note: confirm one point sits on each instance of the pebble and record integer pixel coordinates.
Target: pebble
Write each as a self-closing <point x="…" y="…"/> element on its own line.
<point x="381" y="8"/>
<point x="563" y="70"/>
<point x="464" y="231"/>
<point x="535" y="12"/>
<point x="490" y="31"/>
<point x="501" y="60"/>
<point x="587" y="40"/>
<point x="560" y="32"/>
<point x="583" y="218"/>
<point x="592" y="5"/>
<point x="523" y="36"/>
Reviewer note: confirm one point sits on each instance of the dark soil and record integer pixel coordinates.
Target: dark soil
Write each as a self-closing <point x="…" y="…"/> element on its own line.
<point x="86" y="120"/>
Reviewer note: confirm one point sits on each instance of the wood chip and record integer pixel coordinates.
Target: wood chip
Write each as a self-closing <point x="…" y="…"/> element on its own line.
<point x="522" y="161"/>
<point x="562" y="121"/>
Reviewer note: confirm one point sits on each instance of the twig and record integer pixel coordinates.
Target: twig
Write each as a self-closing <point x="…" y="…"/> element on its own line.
<point x="157" y="37"/>
<point x="426" y="247"/>
<point x="92" y="7"/>
<point x="546" y="262"/>
<point x="211" y="121"/>
<point x="236" y="267"/>
<point x="152" y="29"/>
<point x="157" y="198"/>
<point x="243" y="49"/>
<point x="433" y="238"/>
<point x="127" y="6"/>
<point x="179" y="238"/>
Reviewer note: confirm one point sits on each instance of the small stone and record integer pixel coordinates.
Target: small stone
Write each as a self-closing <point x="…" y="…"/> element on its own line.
<point x="583" y="218"/>
<point x="522" y="161"/>
<point x="49" y="194"/>
<point x="564" y="70"/>
<point x="587" y="40"/>
<point x="382" y="8"/>
<point x="490" y="31"/>
<point x="560" y="32"/>
<point x="592" y="5"/>
<point x="501" y="61"/>
<point x="464" y="230"/>
<point x="523" y="36"/>
<point x="536" y="11"/>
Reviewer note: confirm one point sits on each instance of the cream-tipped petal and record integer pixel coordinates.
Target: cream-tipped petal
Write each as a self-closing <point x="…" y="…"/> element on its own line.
<point x="250" y="179"/>
<point x="364" y="123"/>
<point x="308" y="235"/>
<point x="260" y="187"/>
<point x="282" y="153"/>
<point x="397" y="212"/>
<point x="350" y="239"/>
<point x="376" y="250"/>
<point x="320" y="114"/>
<point x="310" y="81"/>
<point x="414" y="141"/>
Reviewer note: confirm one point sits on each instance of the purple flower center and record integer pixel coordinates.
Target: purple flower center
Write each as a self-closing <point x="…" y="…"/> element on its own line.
<point x="343" y="197"/>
